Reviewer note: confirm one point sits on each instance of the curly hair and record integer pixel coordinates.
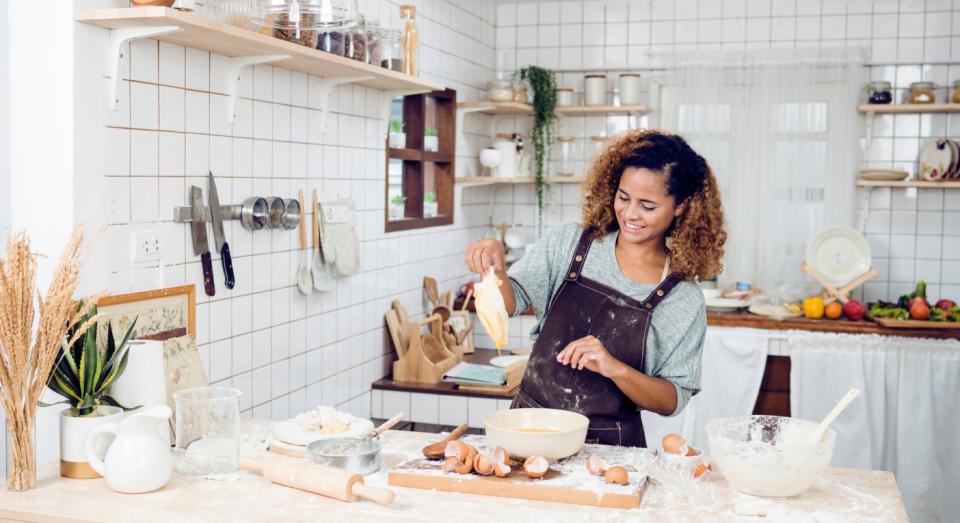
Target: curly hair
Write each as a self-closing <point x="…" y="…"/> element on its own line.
<point x="696" y="237"/>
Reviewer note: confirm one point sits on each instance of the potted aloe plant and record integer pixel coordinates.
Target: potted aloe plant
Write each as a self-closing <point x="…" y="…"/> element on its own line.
<point x="430" y="140"/>
<point x="398" y="138"/>
<point x="82" y="375"/>
<point x="429" y="204"/>
<point x="397" y="206"/>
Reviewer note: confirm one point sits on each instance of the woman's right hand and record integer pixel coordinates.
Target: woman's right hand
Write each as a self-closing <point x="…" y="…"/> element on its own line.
<point x="483" y="254"/>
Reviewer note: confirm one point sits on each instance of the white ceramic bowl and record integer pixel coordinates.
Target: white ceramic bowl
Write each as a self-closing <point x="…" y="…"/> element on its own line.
<point x="551" y="433"/>
<point x="681" y="462"/>
<point x="710" y="294"/>
<point x="767" y="455"/>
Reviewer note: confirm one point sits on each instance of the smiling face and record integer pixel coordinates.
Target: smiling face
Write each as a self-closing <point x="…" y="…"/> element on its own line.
<point x="643" y="207"/>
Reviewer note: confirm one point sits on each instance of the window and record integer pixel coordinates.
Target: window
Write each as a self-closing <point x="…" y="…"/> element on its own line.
<point x="421" y="149"/>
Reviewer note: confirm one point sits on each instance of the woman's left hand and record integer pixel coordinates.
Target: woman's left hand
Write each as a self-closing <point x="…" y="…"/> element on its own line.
<point x="588" y="353"/>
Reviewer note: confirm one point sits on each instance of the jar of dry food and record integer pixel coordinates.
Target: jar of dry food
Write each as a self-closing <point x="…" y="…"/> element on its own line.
<point x="922" y="93"/>
<point x="879" y="93"/>
<point x="566" y="155"/>
<point x="956" y="91"/>
<point x="520" y="92"/>
<point x="564" y="97"/>
<point x="289" y="20"/>
<point x="500" y="91"/>
<point x="355" y="41"/>
<point x="373" y="43"/>
<point x="595" y="90"/>
<point x="629" y="89"/>
<point x="391" y="52"/>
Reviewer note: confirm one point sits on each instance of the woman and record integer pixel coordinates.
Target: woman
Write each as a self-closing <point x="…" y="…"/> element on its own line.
<point x="621" y="319"/>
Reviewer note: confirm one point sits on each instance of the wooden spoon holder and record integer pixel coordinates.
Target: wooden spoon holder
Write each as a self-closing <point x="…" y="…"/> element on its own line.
<point x="426" y="358"/>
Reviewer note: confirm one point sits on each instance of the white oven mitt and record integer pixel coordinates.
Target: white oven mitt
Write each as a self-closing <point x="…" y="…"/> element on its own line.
<point x="337" y="237"/>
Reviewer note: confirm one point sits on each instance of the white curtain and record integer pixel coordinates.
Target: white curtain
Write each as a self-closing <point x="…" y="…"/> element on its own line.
<point x="907" y="419"/>
<point x="780" y="129"/>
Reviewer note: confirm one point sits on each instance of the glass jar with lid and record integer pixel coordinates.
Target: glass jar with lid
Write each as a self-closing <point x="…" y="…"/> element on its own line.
<point x="355" y="41"/>
<point x="564" y="97"/>
<point x="391" y="51"/>
<point x="879" y="93"/>
<point x="302" y="21"/>
<point x="956" y="91"/>
<point x="922" y="93"/>
<point x="566" y="155"/>
<point x="595" y="90"/>
<point x="374" y="33"/>
<point x="519" y="92"/>
<point x="500" y="90"/>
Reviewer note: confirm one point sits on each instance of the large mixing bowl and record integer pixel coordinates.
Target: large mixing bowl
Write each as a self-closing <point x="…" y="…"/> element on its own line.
<point x="768" y="455"/>
<point x="553" y="434"/>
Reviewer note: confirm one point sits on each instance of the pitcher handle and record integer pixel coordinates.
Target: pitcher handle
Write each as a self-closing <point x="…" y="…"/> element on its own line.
<point x="91" y="445"/>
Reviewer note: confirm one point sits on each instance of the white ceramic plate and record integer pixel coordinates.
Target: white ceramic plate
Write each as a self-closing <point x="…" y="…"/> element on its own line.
<point x="505" y="361"/>
<point x="725" y="304"/>
<point x="778" y="312"/>
<point x="289" y="431"/>
<point x="840" y="254"/>
<point x="935" y="160"/>
<point x="891" y="175"/>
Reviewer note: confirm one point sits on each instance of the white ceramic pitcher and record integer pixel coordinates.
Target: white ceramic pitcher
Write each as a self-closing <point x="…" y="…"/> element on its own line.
<point x="138" y="460"/>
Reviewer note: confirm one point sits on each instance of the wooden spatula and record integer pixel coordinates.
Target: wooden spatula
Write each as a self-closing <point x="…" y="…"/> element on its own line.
<point x="435" y="450"/>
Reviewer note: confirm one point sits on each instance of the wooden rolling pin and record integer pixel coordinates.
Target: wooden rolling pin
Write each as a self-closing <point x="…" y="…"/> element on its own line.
<point x="326" y="481"/>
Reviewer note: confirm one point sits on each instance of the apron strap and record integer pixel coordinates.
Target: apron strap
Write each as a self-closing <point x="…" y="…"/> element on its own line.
<point x="579" y="256"/>
<point x="661" y="292"/>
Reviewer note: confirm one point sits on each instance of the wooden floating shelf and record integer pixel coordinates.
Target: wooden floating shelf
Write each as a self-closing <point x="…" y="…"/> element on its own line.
<point x="950" y="184"/>
<point x="908" y="108"/>
<point x="489" y="180"/>
<point x="522" y="109"/>
<point x="201" y="33"/>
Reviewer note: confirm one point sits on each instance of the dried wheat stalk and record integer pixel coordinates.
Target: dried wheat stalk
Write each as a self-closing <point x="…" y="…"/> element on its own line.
<point x="26" y="361"/>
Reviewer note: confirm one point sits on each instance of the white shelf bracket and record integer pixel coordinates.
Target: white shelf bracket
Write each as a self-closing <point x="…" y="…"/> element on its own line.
<point x="868" y="135"/>
<point x="234" y="68"/>
<point x="461" y="112"/>
<point x="387" y="101"/>
<point x="119" y="37"/>
<point x="326" y="87"/>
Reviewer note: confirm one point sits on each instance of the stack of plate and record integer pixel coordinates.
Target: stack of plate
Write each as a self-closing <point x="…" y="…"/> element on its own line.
<point x="939" y="160"/>
<point x="883" y="175"/>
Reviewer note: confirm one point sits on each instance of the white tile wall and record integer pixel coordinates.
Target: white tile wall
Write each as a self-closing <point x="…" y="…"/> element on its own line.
<point x="913" y="233"/>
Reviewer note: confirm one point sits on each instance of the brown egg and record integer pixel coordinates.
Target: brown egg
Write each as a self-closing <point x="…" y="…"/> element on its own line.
<point x="451" y="464"/>
<point x="483" y="465"/>
<point x="702" y="471"/>
<point x="674" y="444"/>
<point x="535" y="466"/>
<point x="616" y="474"/>
<point x="457" y="449"/>
<point x="465" y="468"/>
<point x="596" y="465"/>
<point x="501" y="469"/>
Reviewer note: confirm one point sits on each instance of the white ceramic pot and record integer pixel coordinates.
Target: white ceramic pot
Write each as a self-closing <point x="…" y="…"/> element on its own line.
<point x="564" y="97"/>
<point x="595" y="90"/>
<point x="429" y="209"/>
<point x="143" y="383"/>
<point x="73" y="438"/>
<point x="398" y="140"/>
<point x="629" y="89"/>
<point x="431" y="143"/>
<point x="396" y="211"/>
<point x="137" y="460"/>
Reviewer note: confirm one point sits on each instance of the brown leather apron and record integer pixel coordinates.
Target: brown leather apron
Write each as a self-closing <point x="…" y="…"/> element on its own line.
<point x="583" y="307"/>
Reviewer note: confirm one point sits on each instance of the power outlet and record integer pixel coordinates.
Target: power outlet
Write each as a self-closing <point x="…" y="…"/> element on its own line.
<point x="146" y="246"/>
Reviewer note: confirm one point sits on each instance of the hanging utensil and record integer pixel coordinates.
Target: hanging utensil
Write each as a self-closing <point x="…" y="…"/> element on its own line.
<point x="304" y="278"/>
<point x="219" y="240"/>
<point x="323" y="280"/>
<point x="200" y="248"/>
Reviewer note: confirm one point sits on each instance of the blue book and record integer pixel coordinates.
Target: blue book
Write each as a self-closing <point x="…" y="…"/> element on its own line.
<point x="475" y="374"/>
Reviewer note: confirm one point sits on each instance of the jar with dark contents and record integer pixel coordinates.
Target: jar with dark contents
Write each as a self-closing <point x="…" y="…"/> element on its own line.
<point x="373" y="43"/>
<point x="391" y="50"/>
<point x="330" y="42"/>
<point x="922" y="93"/>
<point x="355" y="41"/>
<point x="879" y="93"/>
<point x="291" y="31"/>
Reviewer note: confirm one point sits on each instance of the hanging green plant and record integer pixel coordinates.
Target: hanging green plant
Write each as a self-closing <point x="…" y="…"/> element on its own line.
<point x="544" y="85"/>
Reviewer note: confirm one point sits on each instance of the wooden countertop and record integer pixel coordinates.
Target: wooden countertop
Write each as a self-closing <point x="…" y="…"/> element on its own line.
<point x="746" y="319"/>
<point x="449" y="389"/>
<point x="840" y="494"/>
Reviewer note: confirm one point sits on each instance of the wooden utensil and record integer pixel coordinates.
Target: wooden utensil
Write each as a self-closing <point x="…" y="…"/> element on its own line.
<point x="430" y="287"/>
<point x="436" y="449"/>
<point x="466" y="301"/>
<point x="304" y="277"/>
<point x="817" y="433"/>
<point x="326" y="481"/>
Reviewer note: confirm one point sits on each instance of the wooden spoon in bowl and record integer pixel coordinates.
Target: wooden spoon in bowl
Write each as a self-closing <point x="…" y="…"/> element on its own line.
<point x="435" y="450"/>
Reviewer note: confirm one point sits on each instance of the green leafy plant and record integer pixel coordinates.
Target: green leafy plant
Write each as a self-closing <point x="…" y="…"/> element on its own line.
<point x="396" y="126"/>
<point x="543" y="82"/>
<point x="398" y="200"/>
<point x="429" y="197"/>
<point x="430" y="131"/>
<point x="84" y="372"/>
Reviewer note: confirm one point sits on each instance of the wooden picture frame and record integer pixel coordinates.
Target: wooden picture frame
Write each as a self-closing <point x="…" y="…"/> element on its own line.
<point x="170" y="310"/>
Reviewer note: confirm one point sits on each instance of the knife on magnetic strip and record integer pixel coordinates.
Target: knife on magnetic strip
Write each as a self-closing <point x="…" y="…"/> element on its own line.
<point x="200" y="247"/>
<point x="219" y="241"/>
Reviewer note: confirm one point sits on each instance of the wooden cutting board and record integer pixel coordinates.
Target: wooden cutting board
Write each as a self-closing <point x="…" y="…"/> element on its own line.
<point x="560" y="484"/>
<point x="915" y="324"/>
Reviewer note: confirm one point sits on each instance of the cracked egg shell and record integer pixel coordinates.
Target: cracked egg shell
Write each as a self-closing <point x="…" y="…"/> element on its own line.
<point x="501" y="469"/>
<point x="483" y="465"/>
<point x="702" y="471"/>
<point x="616" y="474"/>
<point x="596" y="465"/>
<point x="500" y="455"/>
<point x="535" y="466"/>
<point x="457" y="449"/>
<point x="451" y="464"/>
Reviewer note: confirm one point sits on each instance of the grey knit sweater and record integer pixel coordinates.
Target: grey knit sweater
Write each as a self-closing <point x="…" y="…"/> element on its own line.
<point x="679" y="325"/>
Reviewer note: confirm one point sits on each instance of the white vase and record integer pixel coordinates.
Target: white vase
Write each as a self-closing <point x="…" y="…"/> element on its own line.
<point x="398" y="140"/>
<point x="396" y="211"/>
<point x="143" y="383"/>
<point x="73" y="437"/>
<point x="429" y="209"/>
<point x="431" y="143"/>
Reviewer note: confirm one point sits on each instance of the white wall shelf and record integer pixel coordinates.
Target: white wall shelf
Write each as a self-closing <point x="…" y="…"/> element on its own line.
<point x="200" y="33"/>
<point x="950" y="184"/>
<point x="908" y="108"/>
<point x="522" y="109"/>
<point x="490" y="180"/>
